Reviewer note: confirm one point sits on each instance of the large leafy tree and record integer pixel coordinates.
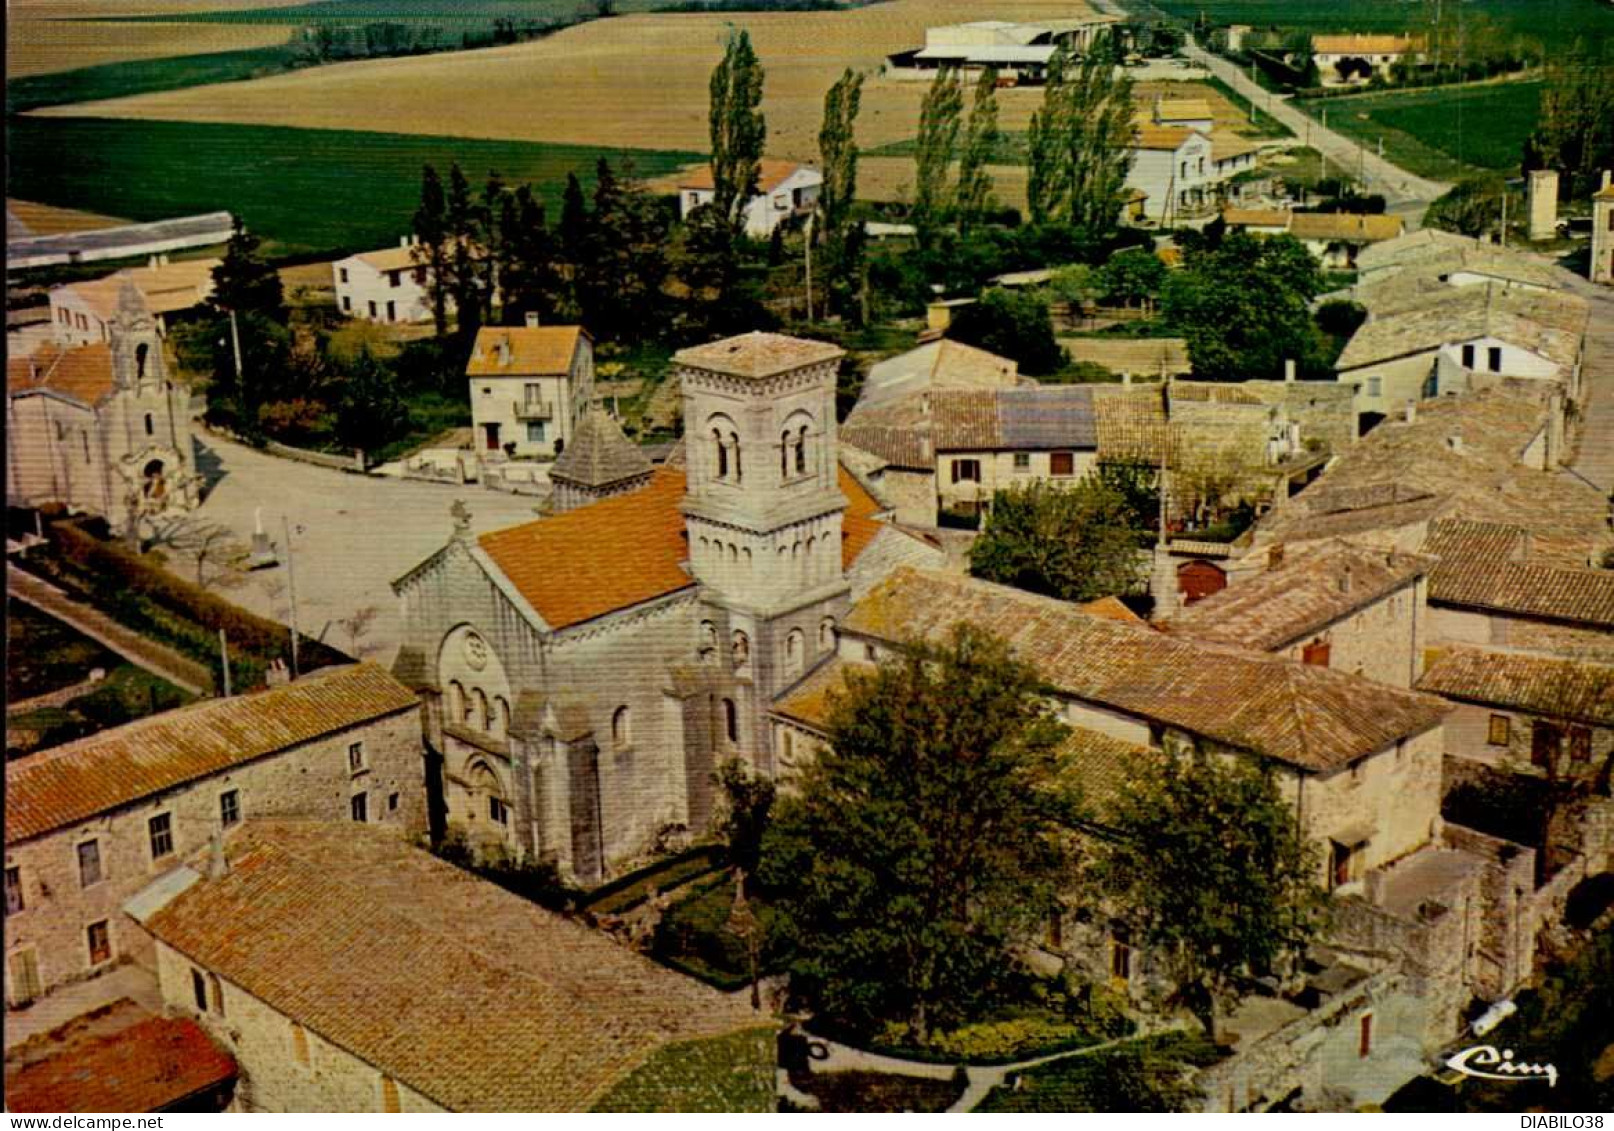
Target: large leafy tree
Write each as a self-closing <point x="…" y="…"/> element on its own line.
<point x="1011" y="324"/>
<point x="1575" y="130"/>
<point x="940" y="118"/>
<point x="928" y="838"/>
<point x="1209" y="869"/>
<point x="371" y="410"/>
<point x="1077" y="543"/>
<point x="1244" y="307"/>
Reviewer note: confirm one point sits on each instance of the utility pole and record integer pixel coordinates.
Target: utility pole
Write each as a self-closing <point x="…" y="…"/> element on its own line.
<point x="235" y="346"/>
<point x="224" y="660"/>
<point x="811" y="216"/>
<point x="291" y="587"/>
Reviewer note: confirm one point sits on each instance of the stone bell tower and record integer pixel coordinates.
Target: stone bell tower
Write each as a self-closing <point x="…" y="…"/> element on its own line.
<point x="137" y="351"/>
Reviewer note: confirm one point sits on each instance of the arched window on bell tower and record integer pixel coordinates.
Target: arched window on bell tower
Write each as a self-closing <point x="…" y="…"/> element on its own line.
<point x="801" y="451"/>
<point x="739" y="469"/>
<point x="722" y="454"/>
<point x="141" y="351"/>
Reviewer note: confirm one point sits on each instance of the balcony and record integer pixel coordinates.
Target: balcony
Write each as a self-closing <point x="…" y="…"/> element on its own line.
<point x="534" y="410"/>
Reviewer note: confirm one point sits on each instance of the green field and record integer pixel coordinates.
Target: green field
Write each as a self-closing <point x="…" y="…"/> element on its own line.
<point x="144" y="76"/>
<point x="304" y="191"/>
<point x="1554" y="23"/>
<point x="1440" y="132"/>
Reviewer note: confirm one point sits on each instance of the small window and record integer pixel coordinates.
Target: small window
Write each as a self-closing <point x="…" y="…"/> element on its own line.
<point x="966" y="471"/>
<point x="355" y="756"/>
<point x="1501" y="730"/>
<point x="870" y="653"/>
<point x="216" y="993"/>
<point x="299" y="1044"/>
<point x="1364" y="1041"/>
<point x="14" y="902"/>
<point x="392" y="802"/>
<point x="199" y="990"/>
<point x="161" y="830"/>
<point x="393" y="279"/>
<point x="151" y="425"/>
<point x="622" y="727"/>
<point x="389" y="1094"/>
<point x="89" y="863"/>
<point x="1120" y="957"/>
<point x="372" y="308"/>
<point x="731" y="721"/>
<point x="498" y="811"/>
<point x="537" y="432"/>
<point x="230" y="807"/>
<point x="1375" y="386"/>
<point x="347" y="303"/>
<point x="1493" y="357"/>
<point x="99" y="936"/>
<point x="343" y="270"/>
<point x="1317" y="653"/>
<point x="1580" y="745"/>
<point x="359" y="807"/>
<point x="1022" y="461"/>
<point x="1468" y="357"/>
<point x="1062" y="463"/>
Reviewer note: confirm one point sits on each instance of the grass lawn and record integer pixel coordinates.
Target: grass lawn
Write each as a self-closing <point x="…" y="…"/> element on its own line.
<point x="731" y="1073"/>
<point x="1555" y="23"/>
<point x="303" y="191"/>
<point x="1444" y="132"/>
<point x="1104" y="1081"/>
<point x="45" y="655"/>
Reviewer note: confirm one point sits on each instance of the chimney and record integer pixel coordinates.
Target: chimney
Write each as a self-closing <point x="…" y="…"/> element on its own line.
<point x="1454" y="443"/>
<point x="403" y="241"/>
<point x="532" y="320"/>
<point x="1275" y="556"/>
<point x="1345" y="580"/>
<point x="1126" y="378"/>
<point x="504" y="351"/>
<point x="152" y="263"/>
<point x="1604" y="183"/>
<point x="1412" y="412"/>
<point x="1288" y="369"/>
<point x="217" y="866"/>
<point x="277" y="675"/>
<point x="162" y="260"/>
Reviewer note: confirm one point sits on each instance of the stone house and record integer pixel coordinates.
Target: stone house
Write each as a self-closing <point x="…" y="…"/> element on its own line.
<point x="1527" y="712"/>
<point x="1602" y="255"/>
<point x="387" y="285"/>
<point x="299" y="946"/>
<point x="1337" y="605"/>
<point x="101" y="427"/>
<point x="785" y="190"/>
<point x="529" y="387"/>
<point x="585" y="673"/>
<point x="1335" y="239"/>
<point x="83" y="313"/>
<point x="91" y="823"/>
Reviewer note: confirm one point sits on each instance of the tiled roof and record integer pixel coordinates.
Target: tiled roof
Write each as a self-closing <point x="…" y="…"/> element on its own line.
<point x="1364" y="44"/>
<point x="599" y="454"/>
<point x="1547" y="324"/>
<point x="1304" y="716"/>
<point x="625" y="550"/>
<point x="942" y="364"/>
<point x="897" y="446"/>
<point x="1182" y="110"/>
<point x="771" y="173"/>
<point x="165" y="288"/>
<point x="1098" y="764"/>
<point x="94" y="775"/>
<point x="757" y="354"/>
<point x="1308" y="592"/>
<point x="143" y="1067"/>
<point x="390" y="259"/>
<point x="1345" y="226"/>
<point x="1169" y="138"/>
<point x="809" y="701"/>
<point x="1141" y="356"/>
<point x="1256" y="217"/>
<point x="1225" y="146"/>
<point x="83" y="373"/>
<point x="348" y="930"/>
<point x="1412" y="247"/>
<point x="1036" y="419"/>
<point x="1487" y="565"/>
<point x="534" y="351"/>
<point x="1577" y="690"/>
<point x="1111" y="608"/>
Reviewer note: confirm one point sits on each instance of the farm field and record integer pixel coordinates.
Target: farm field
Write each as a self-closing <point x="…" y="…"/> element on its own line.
<point x="1555" y="23"/>
<point x="40" y="47"/>
<point x="632" y="82"/>
<point x="1444" y="132"/>
<point x="141" y="76"/>
<point x="303" y="191"/>
<point x="32" y="219"/>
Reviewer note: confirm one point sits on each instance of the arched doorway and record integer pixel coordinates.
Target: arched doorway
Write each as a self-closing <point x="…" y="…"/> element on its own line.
<point x="154" y="483"/>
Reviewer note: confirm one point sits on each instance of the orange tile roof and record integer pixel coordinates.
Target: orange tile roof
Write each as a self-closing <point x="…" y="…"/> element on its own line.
<point x="626" y="550"/>
<point x="1364" y="44"/>
<point x="336" y="926"/>
<point x="757" y="354"/>
<point x="1256" y="217"/>
<point x="165" y="288"/>
<point x="83" y="373"/>
<point x="535" y="351"/>
<point x="389" y="258"/>
<point x="771" y="173"/>
<point x="94" y="775"/>
<point x="1111" y="608"/>
<point x="1543" y="685"/>
<point x="145" y="1067"/>
<point x="1148" y="136"/>
<point x="1343" y="226"/>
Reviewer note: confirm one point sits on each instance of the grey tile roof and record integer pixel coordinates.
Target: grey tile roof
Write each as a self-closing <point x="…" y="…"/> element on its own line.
<point x="1576" y="690"/>
<point x="599" y="454"/>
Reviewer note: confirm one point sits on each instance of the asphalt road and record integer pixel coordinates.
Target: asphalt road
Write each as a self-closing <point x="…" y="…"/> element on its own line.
<point x="351" y="536"/>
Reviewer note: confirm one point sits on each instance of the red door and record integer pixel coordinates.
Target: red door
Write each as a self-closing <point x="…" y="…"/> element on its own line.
<point x="492" y="433"/>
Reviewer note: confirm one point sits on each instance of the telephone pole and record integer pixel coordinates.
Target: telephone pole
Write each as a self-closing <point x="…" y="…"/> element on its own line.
<point x="291" y="587"/>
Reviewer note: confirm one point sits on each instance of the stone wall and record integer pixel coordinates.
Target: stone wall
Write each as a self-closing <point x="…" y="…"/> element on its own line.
<point x="310" y="780"/>
<point x="1381" y="641"/>
<point x="274" y="1073"/>
<point x="1451" y="625"/>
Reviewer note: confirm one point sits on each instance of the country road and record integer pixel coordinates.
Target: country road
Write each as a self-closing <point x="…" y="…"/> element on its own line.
<point x="1403" y="192"/>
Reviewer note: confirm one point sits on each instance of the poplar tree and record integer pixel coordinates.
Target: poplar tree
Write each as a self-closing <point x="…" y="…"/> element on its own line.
<point x="1080" y="142"/>
<point x="974" y="192"/>
<point x="1044" y="186"/>
<point x="430" y="250"/>
<point x="738" y="131"/>
<point x="837" y="149"/>
<point x="934" y="152"/>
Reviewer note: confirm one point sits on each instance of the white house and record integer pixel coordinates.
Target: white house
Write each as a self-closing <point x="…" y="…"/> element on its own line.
<point x="784" y="189"/>
<point x="529" y="386"/>
<point x="1345" y="59"/>
<point x="1175" y="167"/>
<point x="81" y="314"/>
<point x="383" y="286"/>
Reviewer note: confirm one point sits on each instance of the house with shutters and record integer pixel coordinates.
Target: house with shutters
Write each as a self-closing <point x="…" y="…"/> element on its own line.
<point x="786" y="190"/>
<point x="386" y="285"/>
<point x="529" y="387"/>
<point x="91" y="823"/>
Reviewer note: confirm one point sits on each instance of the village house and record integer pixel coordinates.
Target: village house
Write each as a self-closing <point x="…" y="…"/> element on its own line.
<point x="1465" y="340"/>
<point x="1336" y="605"/>
<point x="1176" y="169"/>
<point x="529" y="386"/>
<point x="101" y="428"/>
<point x="1350" y="59"/>
<point x="785" y="191"/>
<point x="83" y="313"/>
<point x="1335" y="239"/>
<point x="1602" y="254"/>
<point x="93" y="822"/>
<point x="1018" y="52"/>
<point x="389" y="285"/>
<point x="584" y="674"/>
<point x="300" y="945"/>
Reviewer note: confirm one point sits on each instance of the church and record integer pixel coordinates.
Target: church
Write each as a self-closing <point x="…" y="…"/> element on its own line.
<point x="101" y="428"/>
<point x="585" y="674"/>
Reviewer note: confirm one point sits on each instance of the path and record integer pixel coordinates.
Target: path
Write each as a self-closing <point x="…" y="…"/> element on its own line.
<point x="1594" y="460"/>
<point x="179" y="670"/>
<point x="1403" y="191"/>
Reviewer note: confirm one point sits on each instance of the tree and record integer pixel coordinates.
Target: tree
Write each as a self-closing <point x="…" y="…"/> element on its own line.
<point x="371" y="412"/>
<point x="1080" y="141"/>
<point x="933" y="153"/>
<point x="1469" y="208"/>
<point x="1209" y="869"/>
<point x="1044" y="185"/>
<point x="619" y="283"/>
<point x="1132" y="277"/>
<point x="466" y="264"/>
<point x="837" y="150"/>
<point x="747" y="802"/>
<point x="248" y="330"/>
<point x="1076" y="543"/>
<point x="1244" y="307"/>
<point x="974" y="193"/>
<point x="1013" y="325"/>
<point x="244" y="281"/>
<point x="738" y="131"/>
<point x="1574" y="133"/>
<point x="431" y="244"/>
<point x="529" y="268"/>
<point x="926" y="840"/>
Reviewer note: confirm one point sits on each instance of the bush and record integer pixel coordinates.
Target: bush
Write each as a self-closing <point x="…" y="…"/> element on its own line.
<point x="1014" y="1038"/>
<point x="1016" y="326"/>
